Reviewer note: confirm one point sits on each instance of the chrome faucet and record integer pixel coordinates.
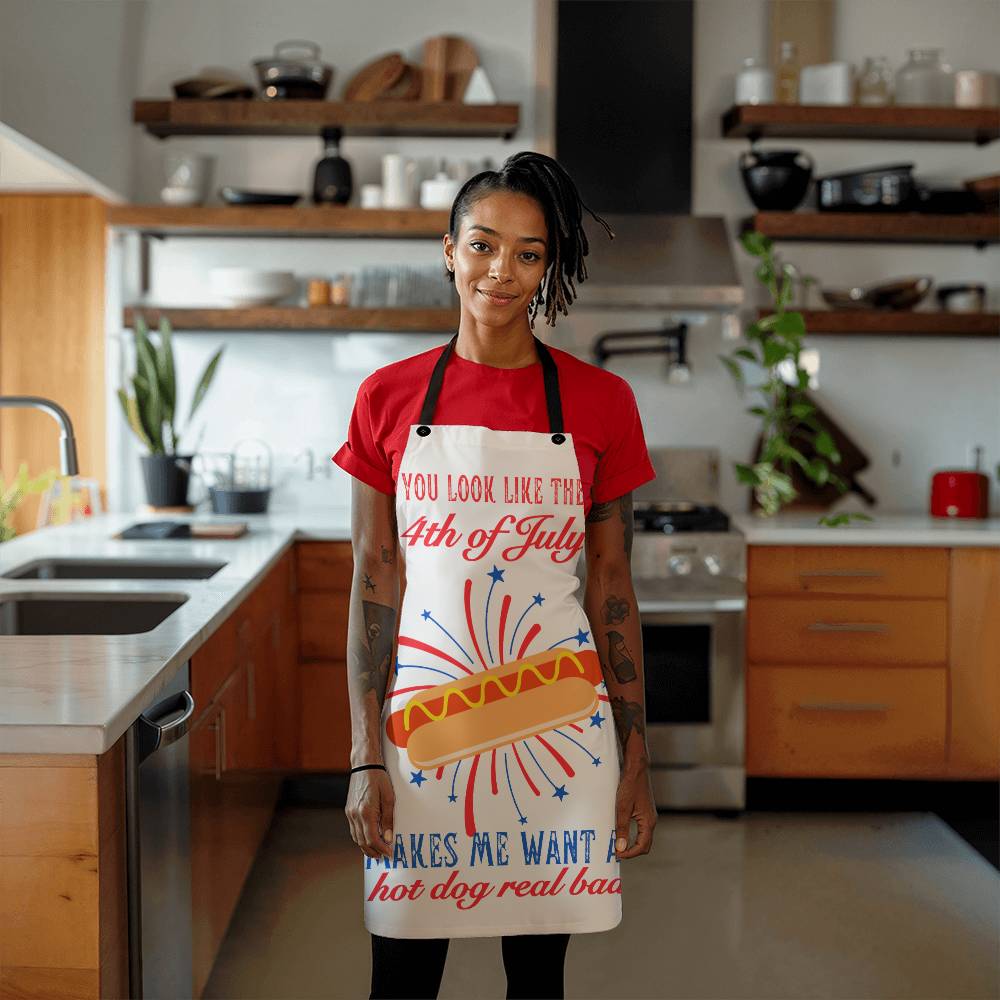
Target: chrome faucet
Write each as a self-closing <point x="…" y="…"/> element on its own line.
<point x="67" y="442"/>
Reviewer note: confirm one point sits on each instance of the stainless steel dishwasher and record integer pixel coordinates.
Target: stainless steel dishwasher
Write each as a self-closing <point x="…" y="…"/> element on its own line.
<point x="158" y="845"/>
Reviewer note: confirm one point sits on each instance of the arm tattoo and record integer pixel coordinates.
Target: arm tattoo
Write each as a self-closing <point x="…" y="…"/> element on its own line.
<point x="620" y="658"/>
<point x="368" y="582"/>
<point x="379" y="622"/>
<point x="615" y="610"/>
<point x="386" y="555"/>
<point x="628" y="716"/>
<point x="623" y="505"/>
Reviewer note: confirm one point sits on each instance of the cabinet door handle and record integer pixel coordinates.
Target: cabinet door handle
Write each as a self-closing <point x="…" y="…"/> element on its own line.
<point x="219" y="727"/>
<point x="868" y="573"/>
<point x="848" y="627"/>
<point x="251" y="691"/>
<point x="843" y="706"/>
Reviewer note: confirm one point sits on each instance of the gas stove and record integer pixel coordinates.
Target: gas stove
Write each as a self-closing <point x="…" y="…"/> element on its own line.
<point x="671" y="517"/>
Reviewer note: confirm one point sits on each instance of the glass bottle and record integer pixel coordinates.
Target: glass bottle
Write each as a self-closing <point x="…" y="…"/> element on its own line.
<point x="875" y="82"/>
<point x="787" y="75"/>
<point x="924" y="79"/>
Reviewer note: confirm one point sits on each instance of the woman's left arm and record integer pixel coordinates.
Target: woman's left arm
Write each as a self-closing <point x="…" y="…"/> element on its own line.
<point x="610" y="605"/>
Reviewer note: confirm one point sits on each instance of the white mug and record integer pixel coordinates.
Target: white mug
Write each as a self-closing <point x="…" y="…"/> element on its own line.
<point x="371" y="195"/>
<point x="398" y="176"/>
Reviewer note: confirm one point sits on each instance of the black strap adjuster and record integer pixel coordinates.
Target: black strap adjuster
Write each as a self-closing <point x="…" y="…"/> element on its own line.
<point x="558" y="438"/>
<point x="423" y="430"/>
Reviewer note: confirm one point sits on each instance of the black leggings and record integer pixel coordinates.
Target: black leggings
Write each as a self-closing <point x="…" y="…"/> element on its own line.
<point x="411" y="968"/>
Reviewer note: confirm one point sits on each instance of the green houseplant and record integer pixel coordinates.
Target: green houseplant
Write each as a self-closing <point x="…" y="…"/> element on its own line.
<point x="12" y="495"/>
<point x="150" y="411"/>
<point x="787" y="416"/>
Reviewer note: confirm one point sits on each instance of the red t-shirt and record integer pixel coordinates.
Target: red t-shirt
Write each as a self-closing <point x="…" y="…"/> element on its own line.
<point x="599" y="410"/>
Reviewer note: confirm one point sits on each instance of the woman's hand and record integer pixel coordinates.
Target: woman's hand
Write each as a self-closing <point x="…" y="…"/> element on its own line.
<point x="634" y="801"/>
<point x="369" y="809"/>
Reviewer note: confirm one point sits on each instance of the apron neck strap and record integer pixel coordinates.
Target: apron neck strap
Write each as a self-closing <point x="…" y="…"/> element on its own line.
<point x="550" y="375"/>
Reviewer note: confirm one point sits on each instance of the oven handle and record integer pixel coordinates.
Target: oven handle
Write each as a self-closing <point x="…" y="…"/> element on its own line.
<point x="880" y="627"/>
<point x="679" y="604"/>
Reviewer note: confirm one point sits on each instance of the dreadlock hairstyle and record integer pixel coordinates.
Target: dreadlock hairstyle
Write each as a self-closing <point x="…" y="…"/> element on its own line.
<point x="542" y="178"/>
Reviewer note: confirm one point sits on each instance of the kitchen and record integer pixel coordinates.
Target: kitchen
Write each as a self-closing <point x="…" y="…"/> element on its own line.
<point x="887" y="824"/>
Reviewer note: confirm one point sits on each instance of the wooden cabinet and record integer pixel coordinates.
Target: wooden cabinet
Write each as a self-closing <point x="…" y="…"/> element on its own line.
<point x="324" y="572"/>
<point x="873" y="661"/>
<point x="239" y="749"/>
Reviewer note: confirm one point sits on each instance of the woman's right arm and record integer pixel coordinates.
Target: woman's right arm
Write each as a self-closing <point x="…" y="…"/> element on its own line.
<point x="371" y="632"/>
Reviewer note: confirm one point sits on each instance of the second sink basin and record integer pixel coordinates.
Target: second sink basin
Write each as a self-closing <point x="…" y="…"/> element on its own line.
<point x="79" y="614"/>
<point x="113" y="569"/>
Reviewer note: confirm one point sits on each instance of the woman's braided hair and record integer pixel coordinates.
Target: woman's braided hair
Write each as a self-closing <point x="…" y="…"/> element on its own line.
<point x="542" y="178"/>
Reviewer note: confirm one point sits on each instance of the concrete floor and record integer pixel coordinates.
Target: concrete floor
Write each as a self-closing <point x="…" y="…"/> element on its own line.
<point x="766" y="905"/>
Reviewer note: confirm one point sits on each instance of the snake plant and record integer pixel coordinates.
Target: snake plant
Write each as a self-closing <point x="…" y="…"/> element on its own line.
<point x="151" y="407"/>
<point x="786" y="414"/>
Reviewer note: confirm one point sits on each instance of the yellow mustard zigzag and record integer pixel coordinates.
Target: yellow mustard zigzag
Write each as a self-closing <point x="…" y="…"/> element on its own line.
<point x="562" y="654"/>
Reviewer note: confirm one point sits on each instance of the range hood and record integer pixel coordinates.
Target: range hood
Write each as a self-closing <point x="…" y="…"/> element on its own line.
<point x="659" y="261"/>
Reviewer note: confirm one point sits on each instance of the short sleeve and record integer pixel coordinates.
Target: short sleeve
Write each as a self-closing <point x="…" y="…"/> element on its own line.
<point x="625" y="463"/>
<point x="362" y="454"/>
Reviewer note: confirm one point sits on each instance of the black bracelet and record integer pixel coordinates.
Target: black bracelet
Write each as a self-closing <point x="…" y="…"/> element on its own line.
<point x="364" y="767"/>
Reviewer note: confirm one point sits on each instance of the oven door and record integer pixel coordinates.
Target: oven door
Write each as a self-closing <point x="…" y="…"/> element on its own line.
<point x="694" y="681"/>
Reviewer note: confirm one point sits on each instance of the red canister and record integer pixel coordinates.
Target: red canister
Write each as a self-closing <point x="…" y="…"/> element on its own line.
<point x="960" y="493"/>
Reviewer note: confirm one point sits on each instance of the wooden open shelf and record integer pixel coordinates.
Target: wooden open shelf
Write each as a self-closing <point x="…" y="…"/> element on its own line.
<point x="396" y="320"/>
<point x="259" y="117"/>
<point x="871" y="227"/>
<point x="880" y="322"/>
<point x="274" y="220"/>
<point x="821" y="121"/>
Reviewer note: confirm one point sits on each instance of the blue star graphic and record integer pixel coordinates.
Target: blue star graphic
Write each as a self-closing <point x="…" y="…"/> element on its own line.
<point x="560" y="792"/>
<point x="417" y="778"/>
<point x="495" y="574"/>
<point x="597" y="762"/>
<point x="539" y="599"/>
<point x="596" y="719"/>
<point x="581" y="636"/>
<point x="425" y="614"/>
<point x="453" y="798"/>
<point x="523" y="819"/>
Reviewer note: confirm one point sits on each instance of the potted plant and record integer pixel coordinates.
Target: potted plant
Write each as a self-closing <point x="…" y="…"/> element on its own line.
<point x="20" y="487"/>
<point x="789" y="420"/>
<point x="150" y="412"/>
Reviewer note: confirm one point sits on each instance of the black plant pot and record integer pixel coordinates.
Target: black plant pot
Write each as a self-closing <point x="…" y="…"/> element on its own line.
<point x="166" y="478"/>
<point x="776" y="179"/>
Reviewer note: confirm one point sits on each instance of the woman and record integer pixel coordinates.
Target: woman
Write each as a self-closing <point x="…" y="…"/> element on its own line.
<point x="487" y="792"/>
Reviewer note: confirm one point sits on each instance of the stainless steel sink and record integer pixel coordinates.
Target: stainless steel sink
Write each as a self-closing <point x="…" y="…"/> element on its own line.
<point x="113" y="569"/>
<point x="82" y="614"/>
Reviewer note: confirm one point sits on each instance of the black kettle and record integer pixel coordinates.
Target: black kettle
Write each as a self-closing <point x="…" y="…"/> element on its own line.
<point x="776" y="179"/>
<point x="332" y="180"/>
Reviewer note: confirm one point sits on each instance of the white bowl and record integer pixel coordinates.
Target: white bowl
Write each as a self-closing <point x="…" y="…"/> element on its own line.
<point x="251" y="286"/>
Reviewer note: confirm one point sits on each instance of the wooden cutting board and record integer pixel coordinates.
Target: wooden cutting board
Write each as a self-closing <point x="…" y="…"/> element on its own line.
<point x="448" y="64"/>
<point x="375" y="77"/>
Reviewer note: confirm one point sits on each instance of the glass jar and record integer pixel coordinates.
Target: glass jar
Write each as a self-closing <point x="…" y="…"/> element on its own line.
<point x="754" y="83"/>
<point x="786" y="82"/>
<point x="924" y="79"/>
<point x="875" y="82"/>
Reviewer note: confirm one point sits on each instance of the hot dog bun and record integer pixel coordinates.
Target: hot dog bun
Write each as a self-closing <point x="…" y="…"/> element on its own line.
<point x="497" y="706"/>
<point x="505" y="721"/>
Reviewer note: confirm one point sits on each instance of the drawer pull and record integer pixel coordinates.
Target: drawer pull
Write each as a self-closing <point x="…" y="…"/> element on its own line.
<point x="848" y="627"/>
<point x="843" y="706"/>
<point x="867" y="573"/>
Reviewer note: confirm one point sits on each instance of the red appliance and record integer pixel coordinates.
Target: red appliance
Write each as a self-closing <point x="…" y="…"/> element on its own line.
<point x="960" y="492"/>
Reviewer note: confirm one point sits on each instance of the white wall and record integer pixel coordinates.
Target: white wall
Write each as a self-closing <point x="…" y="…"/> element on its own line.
<point x="913" y="405"/>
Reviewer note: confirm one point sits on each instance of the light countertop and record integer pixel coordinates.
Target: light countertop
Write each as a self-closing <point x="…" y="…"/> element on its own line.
<point x="796" y="528"/>
<point x="79" y="693"/>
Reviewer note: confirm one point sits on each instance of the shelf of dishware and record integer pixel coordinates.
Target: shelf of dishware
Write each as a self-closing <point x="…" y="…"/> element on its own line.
<point x="852" y="121"/>
<point x="898" y="322"/>
<point x="878" y="227"/>
<point x="275" y="220"/>
<point x="193" y="116"/>
<point x="396" y="319"/>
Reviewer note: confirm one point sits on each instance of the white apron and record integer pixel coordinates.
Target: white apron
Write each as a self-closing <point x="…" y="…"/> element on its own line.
<point x="497" y="733"/>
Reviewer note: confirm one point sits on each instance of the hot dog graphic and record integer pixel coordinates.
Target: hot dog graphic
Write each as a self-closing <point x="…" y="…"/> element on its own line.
<point x="497" y="706"/>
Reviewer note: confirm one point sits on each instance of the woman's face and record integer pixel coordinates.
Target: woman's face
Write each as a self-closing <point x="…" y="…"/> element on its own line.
<point x="502" y="249"/>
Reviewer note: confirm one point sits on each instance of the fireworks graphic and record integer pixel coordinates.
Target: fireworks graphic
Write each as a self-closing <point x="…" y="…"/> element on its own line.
<point x="520" y="757"/>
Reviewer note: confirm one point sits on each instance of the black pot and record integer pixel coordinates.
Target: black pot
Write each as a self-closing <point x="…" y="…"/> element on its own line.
<point x="166" y="478"/>
<point x="776" y="179"/>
